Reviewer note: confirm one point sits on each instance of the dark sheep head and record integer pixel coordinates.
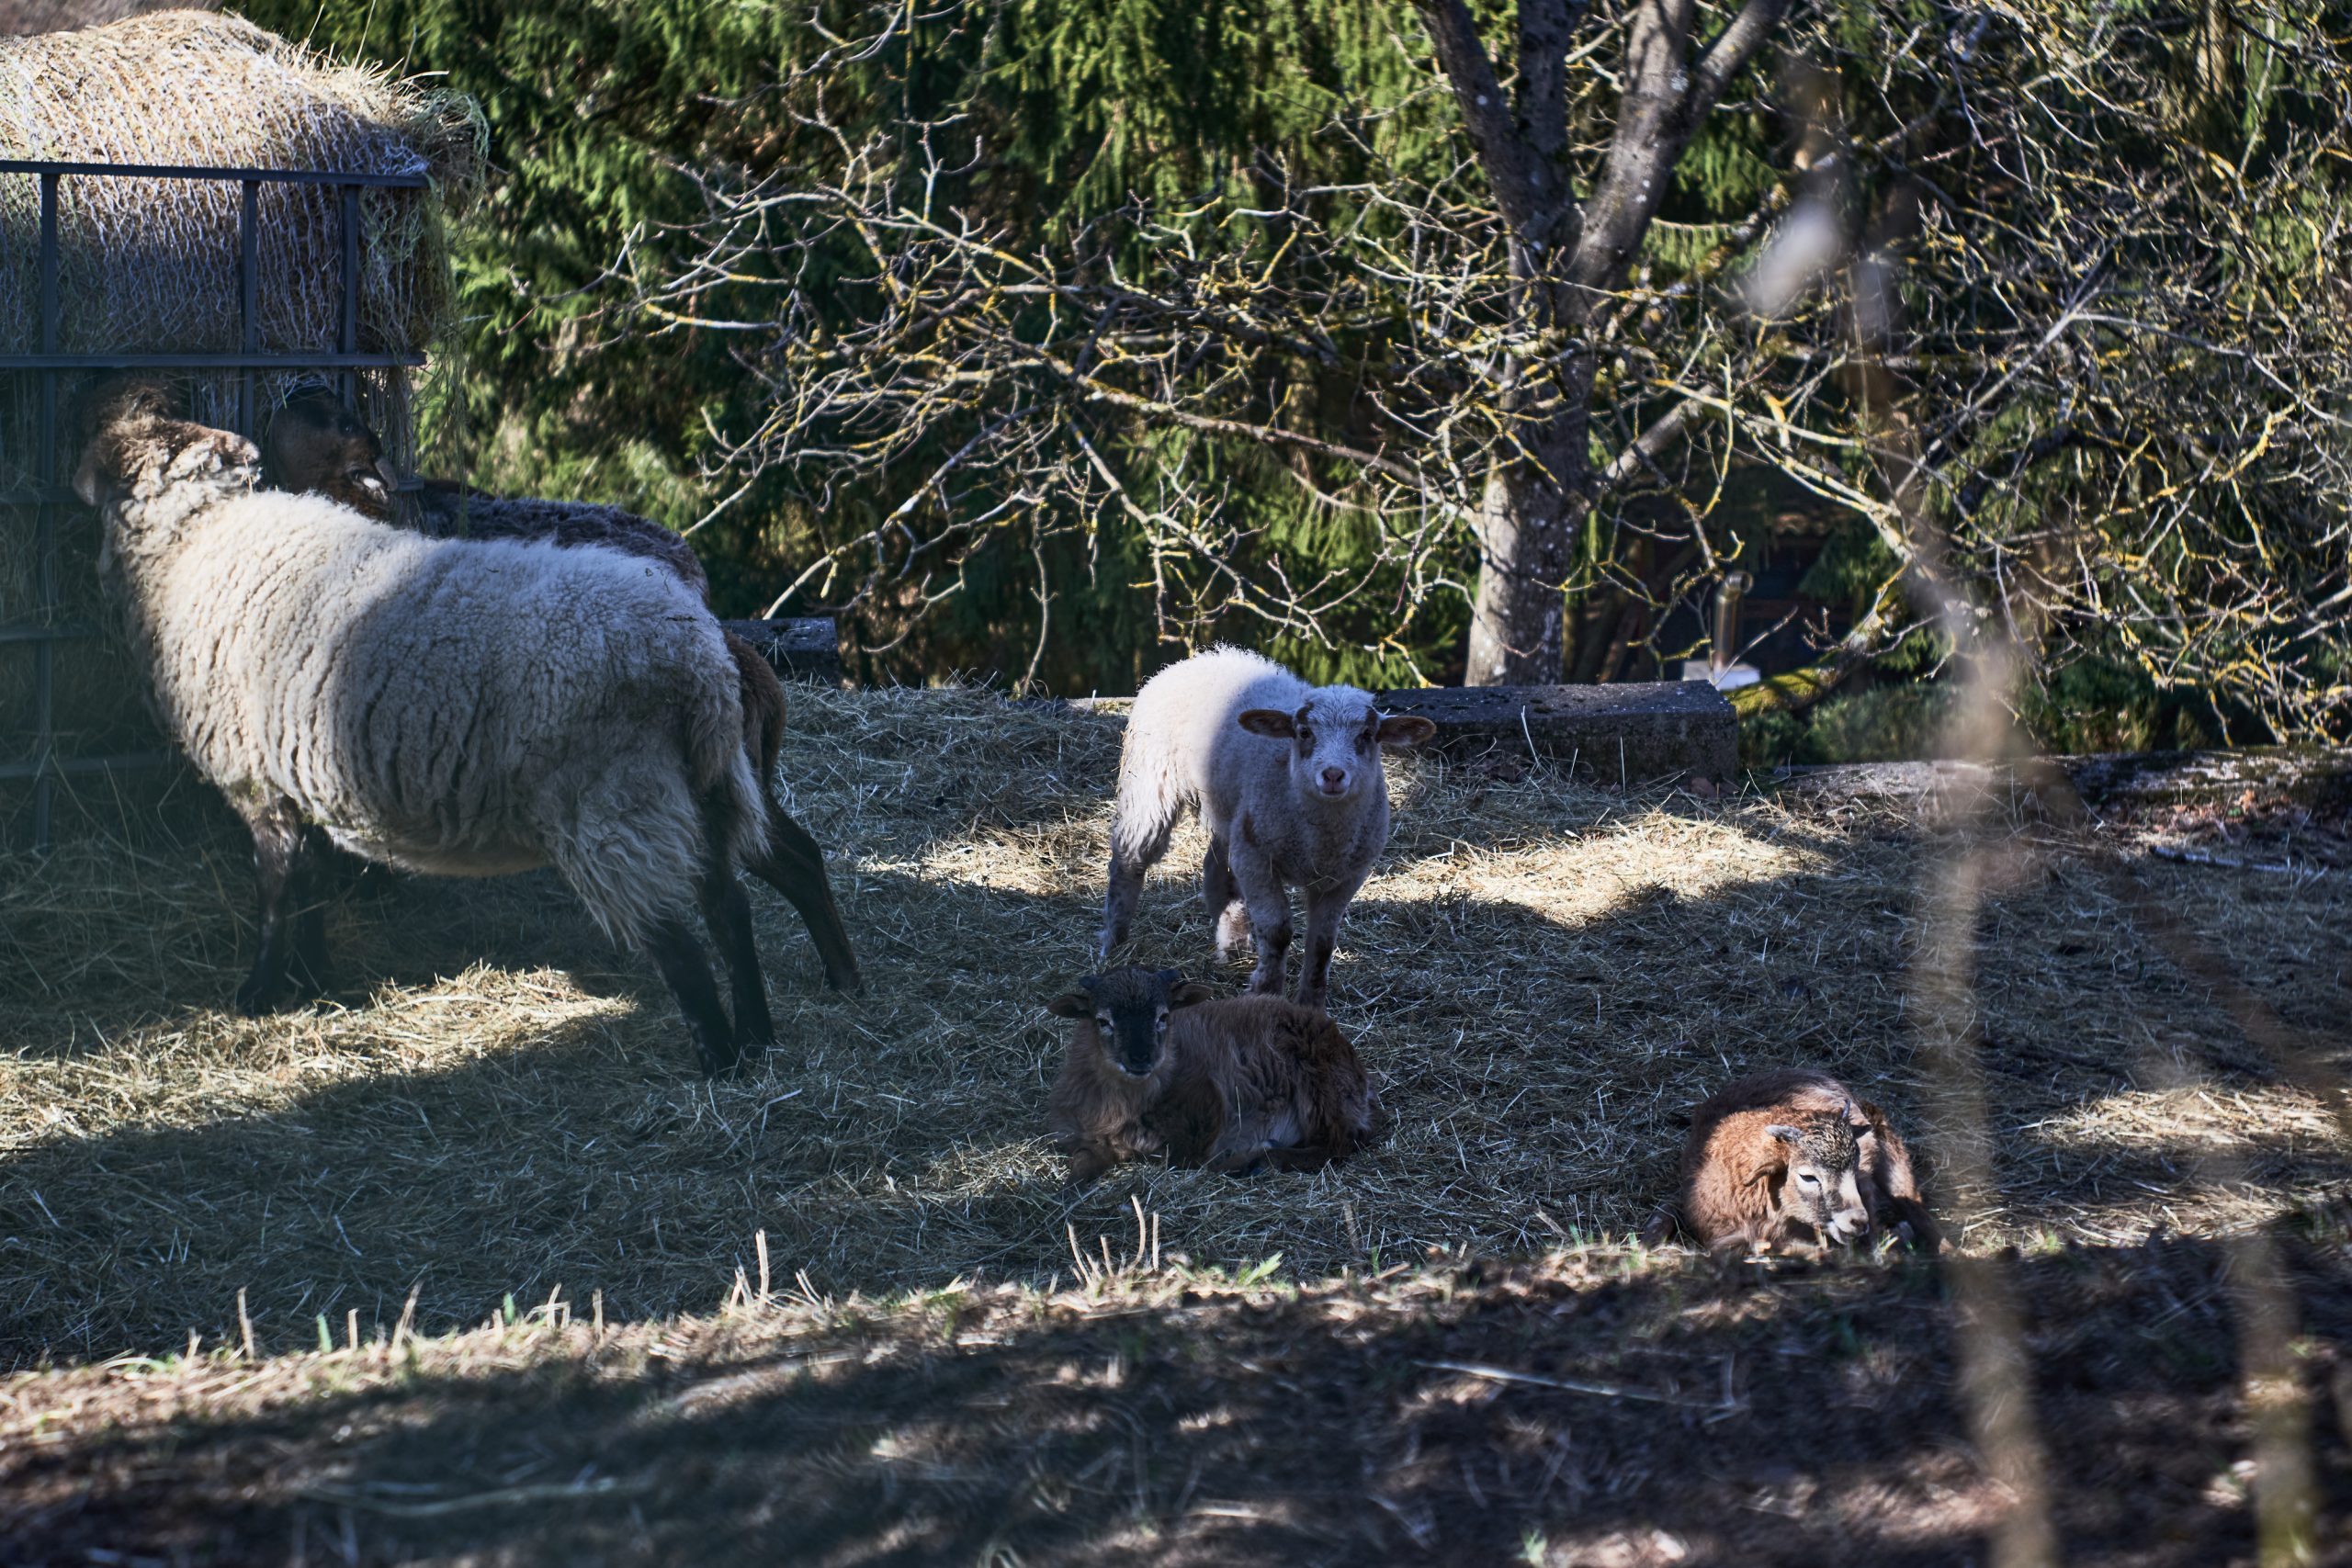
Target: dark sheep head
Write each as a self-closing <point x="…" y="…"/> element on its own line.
<point x="316" y="444"/>
<point x="1127" y="1011"/>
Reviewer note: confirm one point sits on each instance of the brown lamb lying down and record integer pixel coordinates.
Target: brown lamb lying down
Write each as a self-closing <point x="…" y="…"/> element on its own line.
<point x="1788" y="1156"/>
<point x="1153" y="1068"/>
<point x="314" y="443"/>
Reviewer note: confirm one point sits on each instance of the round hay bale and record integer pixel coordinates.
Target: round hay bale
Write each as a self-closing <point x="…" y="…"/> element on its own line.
<point x="64" y="16"/>
<point x="152" y="264"/>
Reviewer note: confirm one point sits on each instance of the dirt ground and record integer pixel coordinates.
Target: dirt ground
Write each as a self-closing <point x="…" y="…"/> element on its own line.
<point x="493" y="1117"/>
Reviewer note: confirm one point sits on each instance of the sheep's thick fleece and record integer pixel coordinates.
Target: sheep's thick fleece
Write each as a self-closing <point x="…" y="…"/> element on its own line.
<point x="450" y="707"/>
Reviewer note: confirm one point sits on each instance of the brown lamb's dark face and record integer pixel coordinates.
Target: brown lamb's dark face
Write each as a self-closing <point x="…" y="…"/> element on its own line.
<point x="1822" y="1186"/>
<point x="317" y="445"/>
<point x="1129" y="1009"/>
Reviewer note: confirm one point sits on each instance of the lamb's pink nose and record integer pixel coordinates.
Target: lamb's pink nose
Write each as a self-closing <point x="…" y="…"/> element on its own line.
<point x="1335" y="780"/>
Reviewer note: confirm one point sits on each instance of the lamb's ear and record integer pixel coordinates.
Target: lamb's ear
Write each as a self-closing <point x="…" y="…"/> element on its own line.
<point x="1783" y="1131"/>
<point x="1071" y="1004"/>
<point x="85" y="477"/>
<point x="1270" y="723"/>
<point x="1188" y="993"/>
<point x="1399" y="731"/>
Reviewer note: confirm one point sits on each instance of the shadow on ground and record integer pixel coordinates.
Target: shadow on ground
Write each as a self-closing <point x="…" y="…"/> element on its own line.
<point x="1662" y="1412"/>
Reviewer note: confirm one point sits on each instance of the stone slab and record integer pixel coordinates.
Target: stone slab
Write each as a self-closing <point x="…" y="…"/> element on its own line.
<point x="802" y="647"/>
<point x="1628" y="732"/>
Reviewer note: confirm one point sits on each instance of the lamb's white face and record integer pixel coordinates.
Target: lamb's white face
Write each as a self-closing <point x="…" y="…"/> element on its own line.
<point x="1336" y="736"/>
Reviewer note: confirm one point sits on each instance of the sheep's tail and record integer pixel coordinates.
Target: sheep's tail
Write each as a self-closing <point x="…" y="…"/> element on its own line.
<point x="1145" y="812"/>
<point x="726" y="781"/>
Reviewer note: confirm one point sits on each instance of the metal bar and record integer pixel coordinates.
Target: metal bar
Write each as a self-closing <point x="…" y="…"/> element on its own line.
<point x="48" y="263"/>
<point x="348" y="338"/>
<point x="348" y="343"/>
<point x="209" y="361"/>
<point x="43" y="631"/>
<point x="65" y="767"/>
<point x="208" y="171"/>
<point x="248" y="298"/>
<point x="45" y="528"/>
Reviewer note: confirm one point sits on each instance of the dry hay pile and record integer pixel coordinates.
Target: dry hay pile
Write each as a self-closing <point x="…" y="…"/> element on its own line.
<point x="152" y="264"/>
<point x="1548" y="977"/>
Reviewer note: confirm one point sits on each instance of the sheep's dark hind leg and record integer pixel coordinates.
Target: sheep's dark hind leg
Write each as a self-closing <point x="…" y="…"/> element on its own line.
<point x="1139" y="835"/>
<point x="293" y="932"/>
<point x="317" y="877"/>
<point x="686" y="968"/>
<point x="729" y="915"/>
<point x="795" y="866"/>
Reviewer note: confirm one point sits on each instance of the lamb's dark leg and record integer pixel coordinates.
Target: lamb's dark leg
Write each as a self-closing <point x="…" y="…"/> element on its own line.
<point x="1324" y="909"/>
<point x="729" y="915"/>
<point x="687" y="969"/>
<point x="1228" y="918"/>
<point x="282" y="872"/>
<point x="1269" y="929"/>
<point x="795" y="866"/>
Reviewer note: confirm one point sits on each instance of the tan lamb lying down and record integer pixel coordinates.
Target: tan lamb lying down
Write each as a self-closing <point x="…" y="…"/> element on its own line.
<point x="1788" y="1157"/>
<point x="1152" y="1068"/>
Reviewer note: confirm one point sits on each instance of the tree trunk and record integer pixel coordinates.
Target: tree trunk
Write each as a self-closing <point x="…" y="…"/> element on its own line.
<point x="1564" y="257"/>
<point x="1525" y="543"/>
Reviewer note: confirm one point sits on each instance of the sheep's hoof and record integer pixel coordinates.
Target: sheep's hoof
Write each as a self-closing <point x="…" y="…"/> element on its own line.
<point x="1232" y="934"/>
<point x="719" y="1062"/>
<point x="259" y="1000"/>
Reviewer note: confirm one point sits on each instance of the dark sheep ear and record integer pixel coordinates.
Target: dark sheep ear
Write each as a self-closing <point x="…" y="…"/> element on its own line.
<point x="85" y="477"/>
<point x="1404" y="730"/>
<point x="1071" y="1004"/>
<point x="1783" y="1131"/>
<point x="1188" y="993"/>
<point x="1270" y="723"/>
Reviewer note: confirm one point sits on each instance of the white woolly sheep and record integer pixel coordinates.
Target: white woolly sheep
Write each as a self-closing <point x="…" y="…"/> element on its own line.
<point x="314" y="443"/>
<point x="448" y="707"/>
<point x="1287" y="779"/>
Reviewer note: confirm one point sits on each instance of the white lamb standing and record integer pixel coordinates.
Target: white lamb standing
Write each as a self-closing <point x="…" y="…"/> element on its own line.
<point x="1287" y="779"/>
<point x="450" y="707"/>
